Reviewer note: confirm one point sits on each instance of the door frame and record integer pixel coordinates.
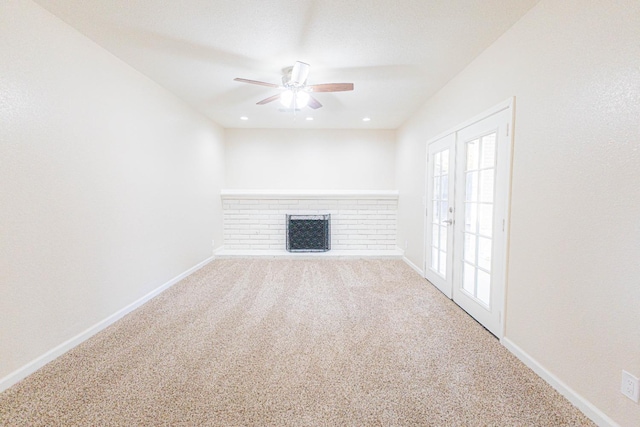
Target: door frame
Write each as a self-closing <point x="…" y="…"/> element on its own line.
<point x="508" y="104"/>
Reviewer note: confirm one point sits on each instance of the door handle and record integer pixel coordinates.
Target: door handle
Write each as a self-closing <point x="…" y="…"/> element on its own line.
<point x="448" y="221"/>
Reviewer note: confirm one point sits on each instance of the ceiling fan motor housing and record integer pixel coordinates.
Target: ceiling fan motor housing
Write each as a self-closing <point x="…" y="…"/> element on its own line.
<point x="296" y="76"/>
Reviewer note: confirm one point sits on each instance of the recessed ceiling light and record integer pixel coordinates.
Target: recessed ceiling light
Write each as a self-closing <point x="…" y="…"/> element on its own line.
<point x="309" y="119"/>
<point x="366" y="119"/>
<point x="244" y="118"/>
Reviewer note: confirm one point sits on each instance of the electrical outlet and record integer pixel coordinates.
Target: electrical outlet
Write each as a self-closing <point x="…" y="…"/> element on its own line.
<point x="630" y="386"/>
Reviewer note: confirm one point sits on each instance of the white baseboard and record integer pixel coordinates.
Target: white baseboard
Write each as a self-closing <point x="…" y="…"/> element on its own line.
<point x="412" y="265"/>
<point x="59" y="350"/>
<point x="587" y="408"/>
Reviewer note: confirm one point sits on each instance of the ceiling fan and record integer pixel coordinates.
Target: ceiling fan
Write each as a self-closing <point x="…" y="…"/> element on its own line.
<point x="297" y="94"/>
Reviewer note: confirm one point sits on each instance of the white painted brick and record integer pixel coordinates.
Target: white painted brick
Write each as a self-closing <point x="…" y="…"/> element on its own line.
<point x="261" y="241"/>
<point x="244" y="231"/>
<point x="386" y="231"/>
<point x="356" y="223"/>
<point x="357" y="247"/>
<point x="386" y="242"/>
<point x="347" y="241"/>
<point x="348" y="217"/>
<point x="269" y="232"/>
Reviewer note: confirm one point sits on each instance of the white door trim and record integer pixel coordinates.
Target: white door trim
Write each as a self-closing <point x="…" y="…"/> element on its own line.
<point x="509" y="103"/>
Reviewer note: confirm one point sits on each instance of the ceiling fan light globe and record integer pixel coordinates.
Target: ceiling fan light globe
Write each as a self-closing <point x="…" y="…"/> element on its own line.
<point x="302" y="99"/>
<point x="286" y="98"/>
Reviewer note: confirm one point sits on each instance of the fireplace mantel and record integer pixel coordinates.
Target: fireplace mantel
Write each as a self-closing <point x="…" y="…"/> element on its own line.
<point x="310" y="194"/>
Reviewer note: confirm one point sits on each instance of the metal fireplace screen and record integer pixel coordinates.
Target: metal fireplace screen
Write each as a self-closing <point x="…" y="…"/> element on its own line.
<point x="308" y="233"/>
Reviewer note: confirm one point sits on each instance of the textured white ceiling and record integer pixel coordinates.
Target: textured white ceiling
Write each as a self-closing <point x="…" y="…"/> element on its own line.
<point x="396" y="52"/>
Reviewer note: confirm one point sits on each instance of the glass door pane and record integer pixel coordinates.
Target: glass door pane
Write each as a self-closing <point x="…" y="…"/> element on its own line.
<point x="479" y="177"/>
<point x="440" y="213"/>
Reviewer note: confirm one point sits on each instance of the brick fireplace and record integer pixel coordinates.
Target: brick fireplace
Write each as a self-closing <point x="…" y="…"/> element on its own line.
<point x="363" y="221"/>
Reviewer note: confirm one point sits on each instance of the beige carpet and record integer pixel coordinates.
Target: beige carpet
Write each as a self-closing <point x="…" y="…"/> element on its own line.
<point x="291" y="343"/>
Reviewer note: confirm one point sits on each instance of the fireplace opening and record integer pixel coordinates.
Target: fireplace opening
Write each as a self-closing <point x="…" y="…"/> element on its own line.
<point x="308" y="233"/>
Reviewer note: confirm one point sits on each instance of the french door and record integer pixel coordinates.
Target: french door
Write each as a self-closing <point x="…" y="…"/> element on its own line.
<point x="468" y="181"/>
<point x="440" y="208"/>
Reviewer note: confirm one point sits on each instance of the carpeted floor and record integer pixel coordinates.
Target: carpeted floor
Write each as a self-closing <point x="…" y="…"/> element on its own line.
<point x="291" y="343"/>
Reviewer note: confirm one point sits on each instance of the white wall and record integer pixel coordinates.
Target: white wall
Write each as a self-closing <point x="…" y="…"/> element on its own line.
<point x="310" y="159"/>
<point x="574" y="276"/>
<point x="109" y="186"/>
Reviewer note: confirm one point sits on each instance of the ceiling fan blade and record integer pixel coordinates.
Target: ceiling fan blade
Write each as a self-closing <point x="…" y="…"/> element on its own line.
<point x="255" y="82"/>
<point x="299" y="73"/>
<point x="268" y="100"/>
<point x="314" y="103"/>
<point x="331" y="87"/>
